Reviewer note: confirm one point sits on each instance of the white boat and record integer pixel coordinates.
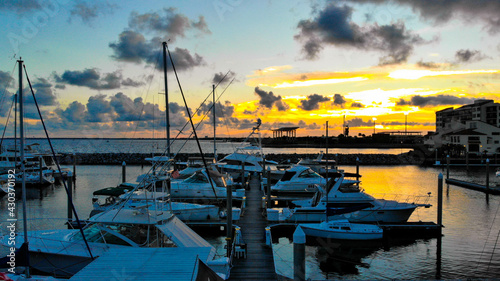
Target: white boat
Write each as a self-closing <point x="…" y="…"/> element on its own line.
<point x="10" y="160"/>
<point x="319" y="165"/>
<point x="301" y="181"/>
<point x="344" y="202"/>
<point x="250" y="157"/>
<point x="343" y="230"/>
<point x="202" y="186"/>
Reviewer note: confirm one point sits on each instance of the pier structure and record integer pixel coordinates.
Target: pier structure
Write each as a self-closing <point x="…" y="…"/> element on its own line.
<point x="259" y="263"/>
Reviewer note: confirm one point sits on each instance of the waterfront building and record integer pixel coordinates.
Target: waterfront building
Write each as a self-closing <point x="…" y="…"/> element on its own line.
<point x="475" y="127"/>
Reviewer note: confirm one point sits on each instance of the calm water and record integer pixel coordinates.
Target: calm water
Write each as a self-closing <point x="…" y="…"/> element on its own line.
<point x="469" y="244"/>
<point x="178" y="146"/>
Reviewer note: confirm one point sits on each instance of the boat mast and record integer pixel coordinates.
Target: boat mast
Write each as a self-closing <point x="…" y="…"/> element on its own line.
<point x="213" y="112"/>
<point x="326" y="169"/>
<point x="166" y="97"/>
<point x="23" y="170"/>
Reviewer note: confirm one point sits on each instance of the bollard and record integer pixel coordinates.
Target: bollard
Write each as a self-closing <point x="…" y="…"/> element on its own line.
<point x="268" y="188"/>
<point x="269" y="240"/>
<point x="447" y="166"/>
<point x="40" y="169"/>
<point x="70" y="197"/>
<point x="74" y="165"/>
<point x="299" y="255"/>
<point x="467" y="161"/>
<point x="440" y="203"/>
<point x="357" y="169"/>
<point x="124" y="171"/>
<point x="487" y="175"/>
<point x="229" y="217"/>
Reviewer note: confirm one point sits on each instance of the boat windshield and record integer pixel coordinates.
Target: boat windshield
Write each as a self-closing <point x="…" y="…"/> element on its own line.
<point x="309" y="174"/>
<point x="117" y="234"/>
<point x="197" y="177"/>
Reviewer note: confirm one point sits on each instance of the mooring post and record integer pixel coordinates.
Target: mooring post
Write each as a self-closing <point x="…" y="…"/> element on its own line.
<point x="263" y="175"/>
<point x="229" y="217"/>
<point x="74" y="165"/>
<point x="299" y="255"/>
<point x="243" y="174"/>
<point x="124" y="171"/>
<point x="487" y="175"/>
<point x="40" y="169"/>
<point x="447" y="166"/>
<point x="268" y="188"/>
<point x="357" y="169"/>
<point x="467" y="160"/>
<point x="70" y="197"/>
<point x="440" y="203"/>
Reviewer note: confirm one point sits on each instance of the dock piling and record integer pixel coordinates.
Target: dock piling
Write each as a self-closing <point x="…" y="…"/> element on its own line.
<point x="229" y="211"/>
<point x="487" y="174"/>
<point x="299" y="255"/>
<point x="440" y="203"/>
<point x="74" y="166"/>
<point x="124" y="171"/>
<point x="40" y="169"/>
<point x="357" y="169"/>
<point x="70" y="195"/>
<point x="447" y="166"/>
<point x="268" y="188"/>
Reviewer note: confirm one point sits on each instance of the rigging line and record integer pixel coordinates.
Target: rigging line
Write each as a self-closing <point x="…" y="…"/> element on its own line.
<point x="7" y="123"/>
<point x="208" y="96"/>
<point x="57" y="163"/>
<point x="192" y="125"/>
<point x="203" y="118"/>
<point x="5" y="89"/>
<point x="489" y="233"/>
<point x="494" y="247"/>
<point x="144" y="104"/>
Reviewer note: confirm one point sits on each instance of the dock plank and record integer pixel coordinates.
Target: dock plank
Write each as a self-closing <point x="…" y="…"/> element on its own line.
<point x="259" y="264"/>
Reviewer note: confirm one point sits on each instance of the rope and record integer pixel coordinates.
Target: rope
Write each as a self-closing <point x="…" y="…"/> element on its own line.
<point x="57" y="163"/>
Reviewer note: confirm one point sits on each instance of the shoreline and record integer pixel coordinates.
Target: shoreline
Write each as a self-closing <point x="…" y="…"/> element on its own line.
<point x="409" y="158"/>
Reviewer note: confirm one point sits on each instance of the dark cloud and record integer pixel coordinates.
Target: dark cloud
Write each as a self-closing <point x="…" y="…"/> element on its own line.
<point x="88" y="12"/>
<point x="485" y="11"/>
<point x="421" y="101"/>
<point x="5" y="79"/>
<point x="98" y="109"/>
<point x="93" y="79"/>
<point x="168" y="23"/>
<point x="465" y="56"/>
<point x="44" y="94"/>
<point x="223" y="112"/>
<point x="311" y="126"/>
<point x="312" y="102"/>
<point x="222" y="78"/>
<point x="20" y="6"/>
<point x="358" y="122"/>
<point x="357" y="105"/>
<point x="74" y="113"/>
<point x="333" y="26"/>
<point x="268" y="99"/>
<point x="133" y="47"/>
<point x="430" y="65"/>
<point x="338" y="100"/>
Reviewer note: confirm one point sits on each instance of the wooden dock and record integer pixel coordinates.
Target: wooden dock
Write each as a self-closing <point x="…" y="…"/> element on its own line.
<point x="259" y="264"/>
<point x="474" y="186"/>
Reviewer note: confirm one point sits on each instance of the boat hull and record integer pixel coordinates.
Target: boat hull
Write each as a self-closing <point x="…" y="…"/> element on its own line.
<point x="316" y="230"/>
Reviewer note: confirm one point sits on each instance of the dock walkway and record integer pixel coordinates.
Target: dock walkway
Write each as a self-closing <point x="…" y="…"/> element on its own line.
<point x="474" y="186"/>
<point x="259" y="264"/>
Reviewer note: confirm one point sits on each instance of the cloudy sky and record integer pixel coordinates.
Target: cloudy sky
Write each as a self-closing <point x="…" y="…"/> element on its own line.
<point x="96" y="66"/>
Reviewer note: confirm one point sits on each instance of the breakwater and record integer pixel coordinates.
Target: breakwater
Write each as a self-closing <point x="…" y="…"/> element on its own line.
<point x="410" y="158"/>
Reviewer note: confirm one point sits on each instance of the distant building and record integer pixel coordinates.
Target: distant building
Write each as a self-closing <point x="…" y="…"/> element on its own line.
<point x="286" y="134"/>
<point x="475" y="126"/>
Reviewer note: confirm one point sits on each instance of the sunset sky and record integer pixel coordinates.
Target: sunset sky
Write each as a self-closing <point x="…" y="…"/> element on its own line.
<point x="96" y="66"/>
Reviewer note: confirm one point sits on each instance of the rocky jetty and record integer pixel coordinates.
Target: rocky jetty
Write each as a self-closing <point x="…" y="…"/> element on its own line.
<point x="410" y="158"/>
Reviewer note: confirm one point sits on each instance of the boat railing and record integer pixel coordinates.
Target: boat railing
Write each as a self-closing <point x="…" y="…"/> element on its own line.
<point x="400" y="199"/>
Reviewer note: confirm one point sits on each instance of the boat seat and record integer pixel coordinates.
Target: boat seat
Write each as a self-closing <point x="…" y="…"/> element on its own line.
<point x="240" y="251"/>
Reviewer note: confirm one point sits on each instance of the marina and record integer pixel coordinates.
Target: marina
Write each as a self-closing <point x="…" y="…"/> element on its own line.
<point x="412" y="255"/>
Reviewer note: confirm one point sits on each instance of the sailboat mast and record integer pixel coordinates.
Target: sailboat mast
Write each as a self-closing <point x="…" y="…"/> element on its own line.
<point x="166" y="97"/>
<point x="326" y="169"/>
<point x="23" y="170"/>
<point x="213" y="112"/>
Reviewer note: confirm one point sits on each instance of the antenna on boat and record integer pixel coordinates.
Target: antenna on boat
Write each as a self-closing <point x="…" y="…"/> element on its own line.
<point x="23" y="169"/>
<point x="326" y="169"/>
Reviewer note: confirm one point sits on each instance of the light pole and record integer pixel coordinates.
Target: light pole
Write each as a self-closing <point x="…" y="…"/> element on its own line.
<point x="374" y="119"/>
<point x="406" y="123"/>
